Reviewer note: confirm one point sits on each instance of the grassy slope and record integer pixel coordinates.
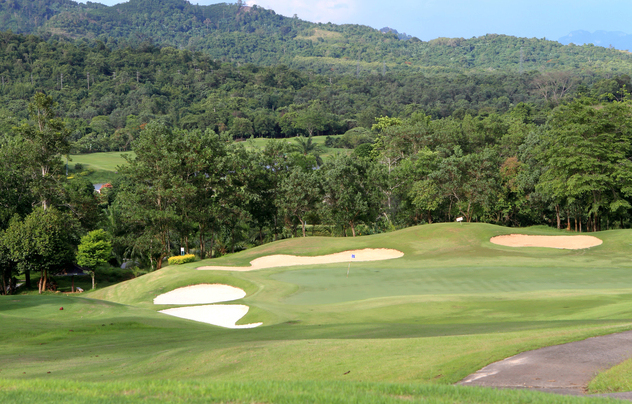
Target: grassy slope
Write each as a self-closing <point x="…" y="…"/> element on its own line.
<point x="104" y="165"/>
<point x="461" y="303"/>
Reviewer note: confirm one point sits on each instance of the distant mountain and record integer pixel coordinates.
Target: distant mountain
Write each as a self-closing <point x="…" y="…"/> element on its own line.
<point x="607" y="39"/>
<point x="241" y="34"/>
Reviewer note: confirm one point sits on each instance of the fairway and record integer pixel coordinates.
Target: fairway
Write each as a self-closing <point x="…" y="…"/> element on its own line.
<point x="452" y="304"/>
<point x="104" y="165"/>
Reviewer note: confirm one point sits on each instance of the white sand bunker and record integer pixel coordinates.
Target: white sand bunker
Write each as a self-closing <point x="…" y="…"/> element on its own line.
<point x="280" y="260"/>
<point x="201" y="294"/>
<point x="220" y="315"/>
<point x="562" y="242"/>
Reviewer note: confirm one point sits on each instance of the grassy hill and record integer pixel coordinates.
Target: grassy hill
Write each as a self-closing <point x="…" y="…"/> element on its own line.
<point x="453" y="303"/>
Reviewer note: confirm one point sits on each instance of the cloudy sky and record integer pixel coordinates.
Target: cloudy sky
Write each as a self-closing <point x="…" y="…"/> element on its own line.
<point x="428" y="19"/>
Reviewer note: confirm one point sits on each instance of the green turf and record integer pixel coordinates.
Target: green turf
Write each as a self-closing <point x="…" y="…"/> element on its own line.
<point x="328" y="152"/>
<point x="51" y="391"/>
<point x="453" y="304"/>
<point x="103" y="165"/>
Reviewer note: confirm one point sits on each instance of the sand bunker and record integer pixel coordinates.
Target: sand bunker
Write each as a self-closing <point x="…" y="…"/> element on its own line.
<point x="201" y="294"/>
<point x="562" y="242"/>
<point x="220" y="315"/>
<point x="273" y="261"/>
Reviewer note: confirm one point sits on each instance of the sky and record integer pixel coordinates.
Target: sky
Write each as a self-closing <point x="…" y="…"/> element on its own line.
<point x="429" y="19"/>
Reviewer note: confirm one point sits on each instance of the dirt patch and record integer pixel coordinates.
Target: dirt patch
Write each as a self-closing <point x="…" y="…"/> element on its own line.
<point x="279" y="260"/>
<point x="561" y="242"/>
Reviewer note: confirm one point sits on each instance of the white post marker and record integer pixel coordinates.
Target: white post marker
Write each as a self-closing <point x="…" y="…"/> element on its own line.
<point x="181" y="250"/>
<point x="349" y="267"/>
<point x="459" y="219"/>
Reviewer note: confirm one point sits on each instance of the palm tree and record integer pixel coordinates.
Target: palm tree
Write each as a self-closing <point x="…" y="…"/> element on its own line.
<point x="306" y="146"/>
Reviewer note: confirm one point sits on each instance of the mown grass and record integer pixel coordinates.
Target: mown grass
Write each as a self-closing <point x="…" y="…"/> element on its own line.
<point x="47" y="391"/>
<point x="614" y="380"/>
<point x="453" y="304"/>
<point x="103" y="166"/>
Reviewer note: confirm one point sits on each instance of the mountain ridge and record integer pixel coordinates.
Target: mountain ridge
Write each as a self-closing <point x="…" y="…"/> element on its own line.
<point x="233" y="33"/>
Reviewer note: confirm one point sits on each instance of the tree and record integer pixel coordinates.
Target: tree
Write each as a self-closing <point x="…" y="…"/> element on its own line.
<point x="48" y="139"/>
<point x="177" y="181"/>
<point x="8" y="268"/>
<point x="94" y="251"/>
<point x="312" y="119"/>
<point x="589" y="157"/>
<point x="300" y="193"/>
<point x="241" y="128"/>
<point x="307" y="147"/>
<point x="45" y="240"/>
<point x="350" y="195"/>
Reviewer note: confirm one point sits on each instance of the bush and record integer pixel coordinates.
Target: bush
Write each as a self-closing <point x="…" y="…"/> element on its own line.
<point x="78" y="167"/>
<point x="181" y="259"/>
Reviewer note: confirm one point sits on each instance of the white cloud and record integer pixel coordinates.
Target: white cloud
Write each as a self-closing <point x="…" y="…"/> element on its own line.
<point x="336" y="11"/>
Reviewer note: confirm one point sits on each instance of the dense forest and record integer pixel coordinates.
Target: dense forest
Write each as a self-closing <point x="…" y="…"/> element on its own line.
<point x="460" y="130"/>
<point x="106" y="95"/>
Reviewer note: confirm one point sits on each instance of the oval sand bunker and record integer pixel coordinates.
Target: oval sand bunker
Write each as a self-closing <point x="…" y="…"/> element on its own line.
<point x="561" y="242"/>
<point x="281" y="260"/>
<point x="220" y="315"/>
<point x="201" y="294"/>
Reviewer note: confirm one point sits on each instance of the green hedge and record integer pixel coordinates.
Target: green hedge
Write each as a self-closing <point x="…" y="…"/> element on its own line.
<point x="181" y="259"/>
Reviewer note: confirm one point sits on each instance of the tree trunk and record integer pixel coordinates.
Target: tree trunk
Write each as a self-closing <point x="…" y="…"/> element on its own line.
<point x="557" y="214"/>
<point x="352" y="228"/>
<point x="303" y="223"/>
<point x="275" y="228"/>
<point x="568" y="222"/>
<point x="159" y="263"/>
<point x="4" y="283"/>
<point x="212" y="243"/>
<point x="92" y="274"/>
<point x="429" y="218"/>
<point x="588" y="223"/>
<point x="202" y="252"/>
<point x="27" y="279"/>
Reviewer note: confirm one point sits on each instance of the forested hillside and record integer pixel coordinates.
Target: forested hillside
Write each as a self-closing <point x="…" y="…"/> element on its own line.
<point x="233" y="32"/>
<point x="442" y="129"/>
<point x="106" y="95"/>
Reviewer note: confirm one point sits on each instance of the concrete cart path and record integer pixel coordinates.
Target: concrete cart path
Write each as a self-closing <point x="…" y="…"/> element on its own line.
<point x="562" y="369"/>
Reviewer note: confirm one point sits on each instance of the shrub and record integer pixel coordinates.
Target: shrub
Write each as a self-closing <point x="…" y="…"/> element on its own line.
<point x="181" y="259"/>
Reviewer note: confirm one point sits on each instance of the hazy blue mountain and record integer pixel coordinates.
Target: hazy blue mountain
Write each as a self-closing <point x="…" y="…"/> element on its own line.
<point x="607" y="39"/>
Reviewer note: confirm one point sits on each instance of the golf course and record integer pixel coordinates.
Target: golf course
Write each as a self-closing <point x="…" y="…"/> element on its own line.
<point x="403" y="329"/>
